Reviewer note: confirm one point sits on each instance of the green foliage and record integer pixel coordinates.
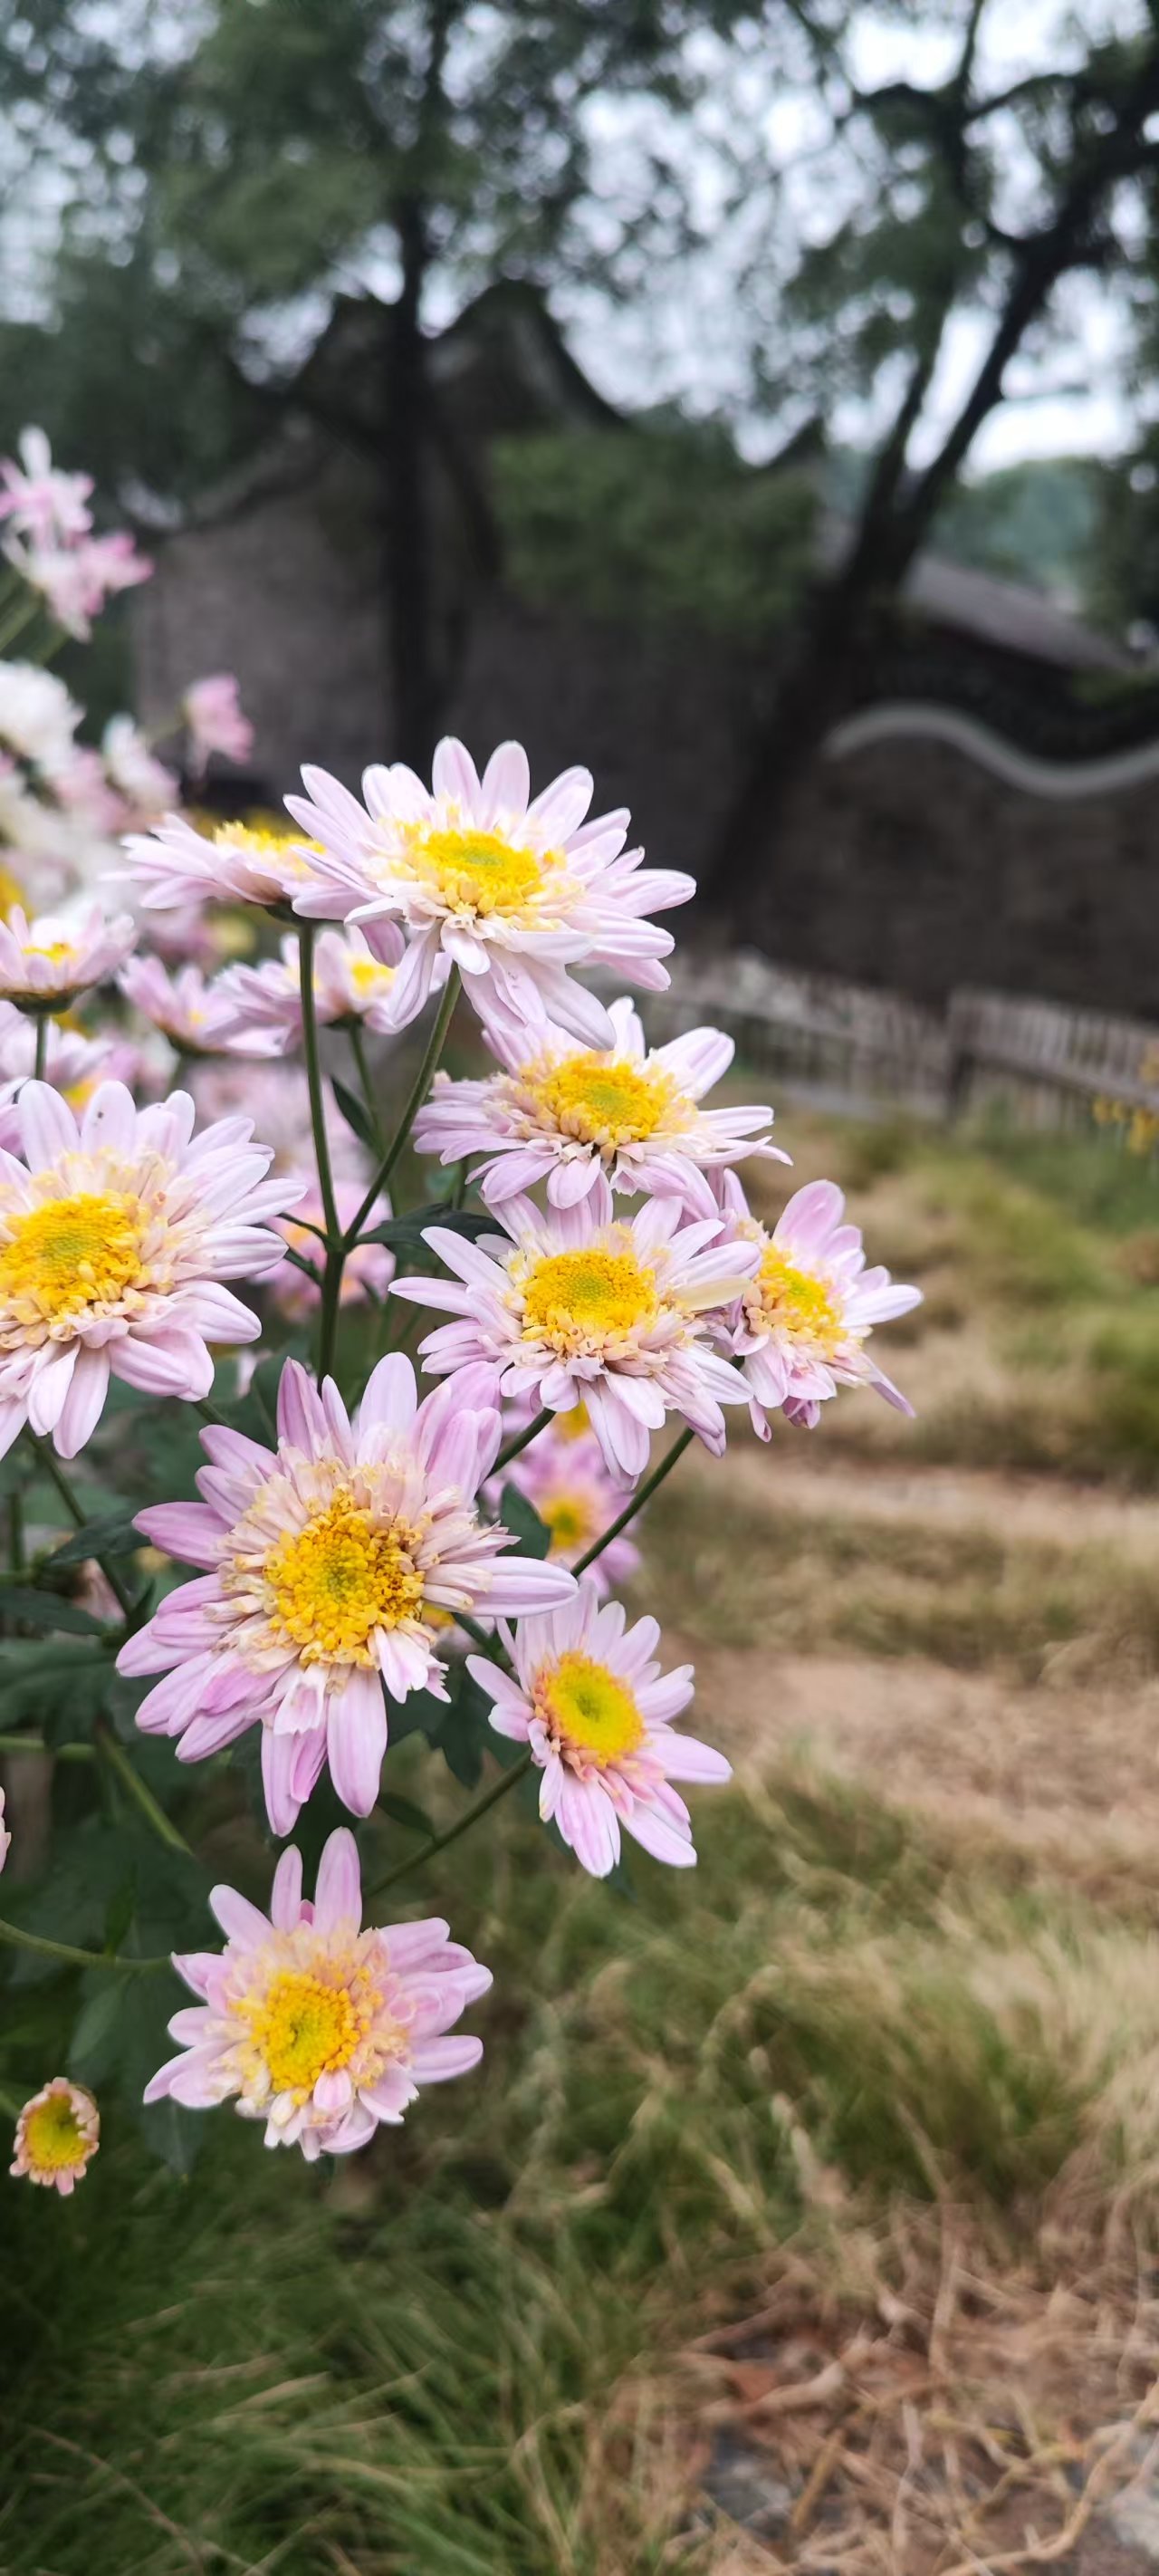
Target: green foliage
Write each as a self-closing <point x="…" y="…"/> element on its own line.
<point x="1037" y="522"/>
<point x="655" y="527"/>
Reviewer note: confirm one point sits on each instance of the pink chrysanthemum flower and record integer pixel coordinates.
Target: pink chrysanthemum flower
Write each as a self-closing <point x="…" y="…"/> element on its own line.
<point x="329" y="1567"/>
<point x="38" y="499"/>
<point x="596" y="1712"/>
<point x="581" y="1307"/>
<point x="237" y="862"/>
<point x="71" y="1064"/>
<point x="45" y="964"/>
<point x="565" y="1477"/>
<point x="354" y="978"/>
<point x="57" y="2136"/>
<point x="5" y="1836"/>
<point x="75" y="579"/>
<point x="317" y="2027"/>
<point x="626" y="1112"/>
<point x="113" y="1245"/>
<point x="197" y="1015"/>
<point x="803" y="1318"/>
<point x="213" y="714"/>
<point x="514" y="891"/>
<point x="366" y="1271"/>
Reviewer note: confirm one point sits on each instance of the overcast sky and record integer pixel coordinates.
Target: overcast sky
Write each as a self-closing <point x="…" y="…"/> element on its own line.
<point x="683" y="343"/>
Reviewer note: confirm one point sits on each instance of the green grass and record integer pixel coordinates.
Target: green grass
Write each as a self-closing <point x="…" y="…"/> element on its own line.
<point x="454" y="2354"/>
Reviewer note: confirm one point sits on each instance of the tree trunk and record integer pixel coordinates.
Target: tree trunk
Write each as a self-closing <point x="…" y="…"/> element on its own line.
<point x="412" y="652"/>
<point x="895" y="524"/>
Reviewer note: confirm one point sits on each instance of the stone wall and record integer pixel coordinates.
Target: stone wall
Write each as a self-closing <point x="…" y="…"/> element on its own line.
<point x="903" y="865"/>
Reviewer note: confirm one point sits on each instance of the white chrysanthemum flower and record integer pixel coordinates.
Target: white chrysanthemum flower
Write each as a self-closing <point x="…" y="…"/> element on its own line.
<point x="37" y="716"/>
<point x="514" y="891"/>
<point x="141" y="779"/>
<point x="330" y="1568"/>
<point x="235" y="862"/>
<point x="626" y="1112"/>
<point x="115" y="1236"/>
<point x="803" y="1318"/>
<point x="354" y="978"/>
<point x="582" y="1307"/>
<point x="44" y="964"/>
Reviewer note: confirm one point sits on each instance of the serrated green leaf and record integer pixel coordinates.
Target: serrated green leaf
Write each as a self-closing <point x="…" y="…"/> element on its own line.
<point x="112" y="1536"/>
<point x="61" y="1686"/>
<point x="407" y="1233"/>
<point x="33" y="1608"/>
<point x="521" y="1518"/>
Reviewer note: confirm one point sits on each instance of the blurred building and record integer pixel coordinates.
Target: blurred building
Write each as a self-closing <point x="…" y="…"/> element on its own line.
<point x="986" y="814"/>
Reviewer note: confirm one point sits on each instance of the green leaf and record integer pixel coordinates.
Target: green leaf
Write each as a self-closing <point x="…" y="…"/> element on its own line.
<point x="524" y="1523"/>
<point x="94" y="2046"/>
<point x="407" y="1233"/>
<point x="356" y="1115"/>
<point x="62" y="1687"/>
<point x="403" y="1812"/>
<point x="36" y="1609"/>
<point x="112" y="1536"/>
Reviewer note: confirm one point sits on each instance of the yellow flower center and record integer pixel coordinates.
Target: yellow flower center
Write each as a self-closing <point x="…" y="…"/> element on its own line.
<point x="575" y="1424"/>
<point x="55" y="951"/>
<point x="475" y="871"/>
<point x="11" y="892"/>
<point x="269" y="842"/>
<point x="583" y="1703"/>
<point x="53" y="2136"/>
<point x="579" y="1300"/>
<point x="601" y="1103"/>
<point x="71" y="1255"/>
<point x="796" y="1303"/>
<point x="304" y="2029"/>
<point x="569" y="1520"/>
<point x="368" y="976"/>
<point x="339" y="1579"/>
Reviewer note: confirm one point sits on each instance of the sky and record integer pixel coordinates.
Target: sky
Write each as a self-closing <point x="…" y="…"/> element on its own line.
<point x="1069" y="401"/>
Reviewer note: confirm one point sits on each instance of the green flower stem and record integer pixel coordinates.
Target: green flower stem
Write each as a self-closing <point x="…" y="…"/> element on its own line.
<point x="522" y="1440"/>
<point x="420" y="1087"/>
<point x="41" y="1045"/>
<point x="118" y="1761"/>
<point x="642" y="1495"/>
<point x="52" y="1467"/>
<point x="70" y="1958"/>
<point x="463" y="1824"/>
<point x="21" y="617"/>
<point x="57" y="1752"/>
<point x="357" y="1039"/>
<point x="335" y="1246"/>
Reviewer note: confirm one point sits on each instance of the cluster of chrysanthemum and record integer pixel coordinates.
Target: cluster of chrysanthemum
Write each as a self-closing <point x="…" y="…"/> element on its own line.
<point x="64" y="804"/>
<point x="338" y="1570"/>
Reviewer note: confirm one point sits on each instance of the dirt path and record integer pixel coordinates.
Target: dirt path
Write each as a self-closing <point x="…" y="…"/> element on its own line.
<point x="1048" y="1508"/>
<point x="1065" y="1770"/>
